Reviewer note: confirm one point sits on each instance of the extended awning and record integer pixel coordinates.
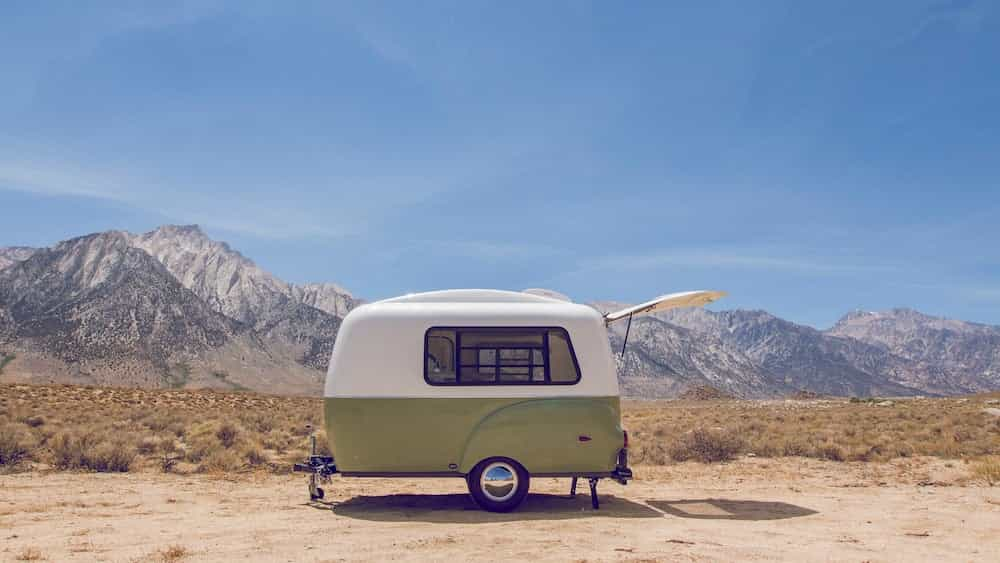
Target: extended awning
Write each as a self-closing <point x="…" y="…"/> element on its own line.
<point x="664" y="302"/>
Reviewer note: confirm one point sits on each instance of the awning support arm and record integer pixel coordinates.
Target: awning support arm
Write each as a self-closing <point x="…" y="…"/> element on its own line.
<point x="627" y="329"/>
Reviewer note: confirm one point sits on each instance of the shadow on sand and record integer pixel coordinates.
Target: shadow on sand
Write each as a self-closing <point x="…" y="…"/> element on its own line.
<point x="442" y="508"/>
<point x="454" y="508"/>
<point x="723" y="509"/>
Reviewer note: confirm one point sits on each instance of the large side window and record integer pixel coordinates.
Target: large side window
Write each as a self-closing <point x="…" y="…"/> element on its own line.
<point x="499" y="356"/>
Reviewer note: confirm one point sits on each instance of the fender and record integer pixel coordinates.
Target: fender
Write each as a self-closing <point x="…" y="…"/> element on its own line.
<point x="558" y="435"/>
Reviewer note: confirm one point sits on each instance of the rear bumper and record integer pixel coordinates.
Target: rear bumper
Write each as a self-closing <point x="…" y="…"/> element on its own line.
<point x="622" y="472"/>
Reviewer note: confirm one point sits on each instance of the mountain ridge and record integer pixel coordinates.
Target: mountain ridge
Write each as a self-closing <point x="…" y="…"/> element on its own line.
<point x="173" y="307"/>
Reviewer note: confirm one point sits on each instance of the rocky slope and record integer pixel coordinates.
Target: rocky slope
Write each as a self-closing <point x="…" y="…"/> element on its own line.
<point x="167" y="308"/>
<point x="13" y="254"/>
<point x="664" y="359"/>
<point x="97" y="303"/>
<point x="944" y="355"/>
<point x="327" y="297"/>
<point x="796" y="356"/>
<point x="300" y="320"/>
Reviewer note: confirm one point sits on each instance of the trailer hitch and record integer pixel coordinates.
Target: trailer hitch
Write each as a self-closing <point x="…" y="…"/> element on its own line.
<point x="320" y="468"/>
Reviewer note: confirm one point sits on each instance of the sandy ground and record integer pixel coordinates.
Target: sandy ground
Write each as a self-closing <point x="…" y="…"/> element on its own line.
<point x="753" y="509"/>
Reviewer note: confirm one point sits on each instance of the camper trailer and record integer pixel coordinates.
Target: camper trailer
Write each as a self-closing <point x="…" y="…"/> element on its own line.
<point x="491" y="386"/>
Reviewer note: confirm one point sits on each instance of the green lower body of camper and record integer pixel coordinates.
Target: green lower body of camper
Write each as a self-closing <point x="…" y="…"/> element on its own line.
<point x="448" y="437"/>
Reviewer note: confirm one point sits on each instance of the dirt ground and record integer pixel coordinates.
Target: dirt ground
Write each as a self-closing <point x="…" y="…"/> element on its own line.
<point x="752" y="509"/>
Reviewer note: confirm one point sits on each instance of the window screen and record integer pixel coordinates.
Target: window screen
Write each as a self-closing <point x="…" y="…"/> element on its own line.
<point x="499" y="356"/>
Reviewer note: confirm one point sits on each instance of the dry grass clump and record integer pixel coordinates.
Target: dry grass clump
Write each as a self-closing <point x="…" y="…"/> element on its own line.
<point x="706" y="445"/>
<point x="15" y="444"/>
<point x="219" y="461"/>
<point x="987" y="469"/>
<point x="171" y="553"/>
<point x="92" y="451"/>
<point x="29" y="554"/>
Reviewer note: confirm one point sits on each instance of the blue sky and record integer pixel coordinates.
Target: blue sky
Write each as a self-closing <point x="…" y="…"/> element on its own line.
<point x="810" y="158"/>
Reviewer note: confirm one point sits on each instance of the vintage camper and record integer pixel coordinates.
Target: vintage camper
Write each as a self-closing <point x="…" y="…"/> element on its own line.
<point x="491" y="386"/>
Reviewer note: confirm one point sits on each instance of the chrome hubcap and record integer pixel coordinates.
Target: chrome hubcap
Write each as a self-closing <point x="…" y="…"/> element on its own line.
<point x="499" y="481"/>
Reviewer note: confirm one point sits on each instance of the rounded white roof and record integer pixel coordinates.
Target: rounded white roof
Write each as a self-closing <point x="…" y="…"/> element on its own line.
<point x="471" y="296"/>
<point x="379" y="351"/>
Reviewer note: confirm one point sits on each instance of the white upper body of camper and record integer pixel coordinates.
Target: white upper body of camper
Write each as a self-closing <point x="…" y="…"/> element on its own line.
<point x="379" y="351"/>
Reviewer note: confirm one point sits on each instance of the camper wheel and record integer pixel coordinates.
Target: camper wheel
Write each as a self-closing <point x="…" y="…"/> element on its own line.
<point x="498" y="484"/>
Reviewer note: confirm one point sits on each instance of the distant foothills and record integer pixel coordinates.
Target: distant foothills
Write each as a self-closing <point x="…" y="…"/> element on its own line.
<point x="175" y="308"/>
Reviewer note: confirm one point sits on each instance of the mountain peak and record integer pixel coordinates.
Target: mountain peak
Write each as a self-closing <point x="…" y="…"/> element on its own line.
<point x="181" y="229"/>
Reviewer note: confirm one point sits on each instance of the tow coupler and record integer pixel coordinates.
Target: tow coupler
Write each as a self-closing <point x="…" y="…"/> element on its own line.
<point x="320" y="467"/>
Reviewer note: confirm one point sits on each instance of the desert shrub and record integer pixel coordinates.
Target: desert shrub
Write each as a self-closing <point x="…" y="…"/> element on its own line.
<point x="201" y="447"/>
<point x="69" y="450"/>
<point x="168" y="445"/>
<point x="164" y="422"/>
<point x="35" y="421"/>
<point x="15" y="444"/>
<point x="831" y="452"/>
<point x="650" y="452"/>
<point x="988" y="469"/>
<point x="110" y="457"/>
<point x="172" y="553"/>
<point x="902" y="449"/>
<point x="872" y="453"/>
<point x="202" y="439"/>
<point x="254" y="456"/>
<point x="261" y="422"/>
<point x="148" y="445"/>
<point x="227" y="434"/>
<point x="767" y="449"/>
<point x="706" y="446"/>
<point x="219" y="461"/>
<point x="276" y="440"/>
<point x="167" y="462"/>
<point x="89" y="451"/>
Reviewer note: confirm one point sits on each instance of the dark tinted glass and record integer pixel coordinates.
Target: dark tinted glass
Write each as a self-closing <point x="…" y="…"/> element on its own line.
<point x="499" y="356"/>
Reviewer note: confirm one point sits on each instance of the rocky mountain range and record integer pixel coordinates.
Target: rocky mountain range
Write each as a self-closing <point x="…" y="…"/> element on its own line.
<point x="173" y="307"/>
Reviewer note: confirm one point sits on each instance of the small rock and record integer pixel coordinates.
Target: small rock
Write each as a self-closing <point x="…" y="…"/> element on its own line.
<point x="884" y="404"/>
<point x="994" y="412"/>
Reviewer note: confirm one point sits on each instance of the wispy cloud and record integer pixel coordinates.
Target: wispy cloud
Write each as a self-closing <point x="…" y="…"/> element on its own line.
<point x="749" y="259"/>
<point x="971" y="292"/>
<point x="383" y="44"/>
<point x="334" y="207"/>
<point x="271" y="218"/>
<point x="492" y="250"/>
<point x="50" y="179"/>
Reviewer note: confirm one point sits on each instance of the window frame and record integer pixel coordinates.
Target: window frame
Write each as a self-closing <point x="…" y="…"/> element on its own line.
<point x="541" y="330"/>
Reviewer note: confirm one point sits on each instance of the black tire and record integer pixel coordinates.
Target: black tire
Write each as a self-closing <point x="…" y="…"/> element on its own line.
<point x="503" y="497"/>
